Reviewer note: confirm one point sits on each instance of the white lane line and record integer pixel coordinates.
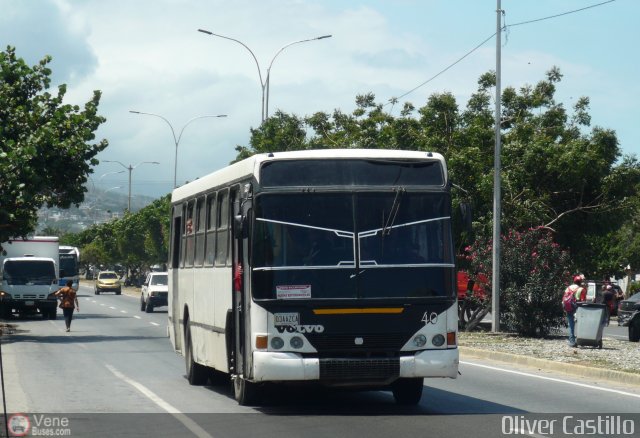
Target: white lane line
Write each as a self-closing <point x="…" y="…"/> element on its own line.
<point x="182" y="418"/>
<point x="155" y="323"/>
<point x="103" y="304"/>
<point x="123" y="311"/>
<point x="137" y="317"/>
<point x="111" y="307"/>
<point x="583" y="385"/>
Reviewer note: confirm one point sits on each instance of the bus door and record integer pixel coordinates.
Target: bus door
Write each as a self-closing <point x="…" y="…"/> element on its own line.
<point x="241" y="343"/>
<point x="174" y="305"/>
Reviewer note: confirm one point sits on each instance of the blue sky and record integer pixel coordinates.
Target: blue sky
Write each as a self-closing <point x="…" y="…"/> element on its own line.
<point x="147" y="55"/>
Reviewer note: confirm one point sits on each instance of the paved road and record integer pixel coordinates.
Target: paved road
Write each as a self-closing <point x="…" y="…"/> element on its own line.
<point x="115" y="374"/>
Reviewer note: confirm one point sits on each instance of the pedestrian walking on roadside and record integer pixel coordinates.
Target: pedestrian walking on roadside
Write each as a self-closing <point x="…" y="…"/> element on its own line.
<point x="570" y="305"/>
<point x="608" y="298"/>
<point x="68" y="302"/>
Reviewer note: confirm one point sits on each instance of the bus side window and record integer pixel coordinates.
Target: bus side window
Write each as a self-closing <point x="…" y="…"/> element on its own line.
<point x="189" y="231"/>
<point x="176" y="238"/>
<point x="199" y="231"/>
<point x="222" y="224"/>
<point x="183" y="235"/>
<point x="210" y="250"/>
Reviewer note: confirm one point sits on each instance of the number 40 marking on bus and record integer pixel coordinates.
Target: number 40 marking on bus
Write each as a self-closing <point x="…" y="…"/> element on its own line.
<point x="430" y="318"/>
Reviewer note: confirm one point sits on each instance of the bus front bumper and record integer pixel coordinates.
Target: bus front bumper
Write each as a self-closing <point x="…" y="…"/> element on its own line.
<point x="285" y="366"/>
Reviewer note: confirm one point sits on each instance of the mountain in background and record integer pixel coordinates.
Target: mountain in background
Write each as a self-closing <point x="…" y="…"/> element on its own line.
<point x="99" y="206"/>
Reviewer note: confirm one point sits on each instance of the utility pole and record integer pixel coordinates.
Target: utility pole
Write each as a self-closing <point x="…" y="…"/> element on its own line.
<point x="497" y="208"/>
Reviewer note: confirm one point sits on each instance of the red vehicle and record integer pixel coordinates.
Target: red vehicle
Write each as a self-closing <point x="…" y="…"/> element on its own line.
<point x="466" y="284"/>
<point x="467" y="288"/>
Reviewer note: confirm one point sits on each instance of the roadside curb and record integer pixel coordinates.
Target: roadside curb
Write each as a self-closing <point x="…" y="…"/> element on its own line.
<point x="549" y="365"/>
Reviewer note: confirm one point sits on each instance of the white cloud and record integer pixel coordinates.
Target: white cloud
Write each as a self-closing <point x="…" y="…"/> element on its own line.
<point x="147" y="55"/>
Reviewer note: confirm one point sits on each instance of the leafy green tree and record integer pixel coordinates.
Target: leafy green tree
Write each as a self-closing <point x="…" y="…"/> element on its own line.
<point x="138" y="240"/>
<point x="46" y="146"/>
<point x="557" y="171"/>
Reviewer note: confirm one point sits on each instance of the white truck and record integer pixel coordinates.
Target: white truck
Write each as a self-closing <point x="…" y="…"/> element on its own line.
<point x="30" y="270"/>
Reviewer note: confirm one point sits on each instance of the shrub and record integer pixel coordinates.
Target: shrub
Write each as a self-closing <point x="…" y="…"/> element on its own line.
<point x="534" y="272"/>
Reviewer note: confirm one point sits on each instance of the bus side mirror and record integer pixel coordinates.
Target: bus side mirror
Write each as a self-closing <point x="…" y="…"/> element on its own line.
<point x="240" y="226"/>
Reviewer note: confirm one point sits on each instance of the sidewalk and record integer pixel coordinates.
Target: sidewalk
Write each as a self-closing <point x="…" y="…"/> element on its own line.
<point x="617" y="361"/>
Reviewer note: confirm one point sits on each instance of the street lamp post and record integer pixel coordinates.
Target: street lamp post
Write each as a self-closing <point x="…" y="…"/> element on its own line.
<point x="176" y="140"/>
<point x="130" y="169"/>
<point x="263" y="83"/>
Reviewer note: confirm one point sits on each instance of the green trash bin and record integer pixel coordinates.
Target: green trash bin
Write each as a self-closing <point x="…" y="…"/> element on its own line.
<point x="590" y="320"/>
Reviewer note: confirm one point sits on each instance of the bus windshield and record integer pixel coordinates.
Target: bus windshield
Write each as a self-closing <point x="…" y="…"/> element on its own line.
<point x="352" y="245"/>
<point x="69" y="264"/>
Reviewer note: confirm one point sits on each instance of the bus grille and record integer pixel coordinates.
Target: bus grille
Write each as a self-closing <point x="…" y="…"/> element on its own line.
<point x="359" y="370"/>
<point x="369" y="342"/>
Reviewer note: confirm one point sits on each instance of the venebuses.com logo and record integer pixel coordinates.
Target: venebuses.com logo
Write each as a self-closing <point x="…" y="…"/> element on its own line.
<point x="38" y="425"/>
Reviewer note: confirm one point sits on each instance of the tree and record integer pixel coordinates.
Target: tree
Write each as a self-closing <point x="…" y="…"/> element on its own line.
<point x="138" y="240"/>
<point x="46" y="146"/>
<point x="557" y="172"/>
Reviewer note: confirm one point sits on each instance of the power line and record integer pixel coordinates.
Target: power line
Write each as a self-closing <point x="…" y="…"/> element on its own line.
<point x="393" y="100"/>
<point x="560" y="15"/>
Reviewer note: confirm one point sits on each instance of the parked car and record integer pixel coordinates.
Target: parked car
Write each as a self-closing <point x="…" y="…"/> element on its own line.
<point x="108" y="281"/>
<point x="155" y="291"/>
<point x="629" y="316"/>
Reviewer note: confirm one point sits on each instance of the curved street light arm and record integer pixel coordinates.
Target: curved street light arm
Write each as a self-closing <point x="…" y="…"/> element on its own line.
<point x="196" y="118"/>
<point x="207" y="32"/>
<point x="175" y="140"/>
<point x="262" y="83"/>
<point x="291" y="44"/>
<point x="115" y="161"/>
<point x="266" y="105"/>
<point x="143" y="162"/>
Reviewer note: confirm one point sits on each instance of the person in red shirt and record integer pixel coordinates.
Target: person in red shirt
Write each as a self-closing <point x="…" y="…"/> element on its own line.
<point x="68" y="302"/>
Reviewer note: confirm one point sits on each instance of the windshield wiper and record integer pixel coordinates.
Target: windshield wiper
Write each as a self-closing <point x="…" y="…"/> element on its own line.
<point x="386" y="229"/>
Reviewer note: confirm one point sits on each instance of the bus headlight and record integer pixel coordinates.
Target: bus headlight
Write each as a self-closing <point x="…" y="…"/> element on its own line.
<point x="420" y="341"/>
<point x="277" y="343"/>
<point x="4" y="295"/>
<point x="438" y="340"/>
<point x="296" y="342"/>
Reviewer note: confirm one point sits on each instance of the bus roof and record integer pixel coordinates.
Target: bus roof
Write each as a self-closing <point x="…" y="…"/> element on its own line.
<point x="251" y="165"/>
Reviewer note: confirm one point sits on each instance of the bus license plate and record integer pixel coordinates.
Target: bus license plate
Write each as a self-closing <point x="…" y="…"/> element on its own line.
<point x="29" y="303"/>
<point x="286" y="319"/>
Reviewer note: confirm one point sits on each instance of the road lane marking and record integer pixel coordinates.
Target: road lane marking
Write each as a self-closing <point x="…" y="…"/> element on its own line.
<point x="155" y="323"/>
<point x="182" y="418"/>
<point x="111" y="307"/>
<point x="103" y="304"/>
<point x="123" y="311"/>
<point x="137" y="317"/>
<point x="553" y="379"/>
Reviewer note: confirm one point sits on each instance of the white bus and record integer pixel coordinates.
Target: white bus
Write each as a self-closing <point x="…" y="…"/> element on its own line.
<point x="69" y="265"/>
<point x="327" y="266"/>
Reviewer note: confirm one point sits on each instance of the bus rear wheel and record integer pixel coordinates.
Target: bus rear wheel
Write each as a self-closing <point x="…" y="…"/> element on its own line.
<point x="196" y="373"/>
<point x="408" y="391"/>
<point x="246" y="393"/>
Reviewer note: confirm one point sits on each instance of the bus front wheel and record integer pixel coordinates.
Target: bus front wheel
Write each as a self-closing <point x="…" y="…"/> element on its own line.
<point x="407" y="391"/>
<point x="246" y="393"/>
